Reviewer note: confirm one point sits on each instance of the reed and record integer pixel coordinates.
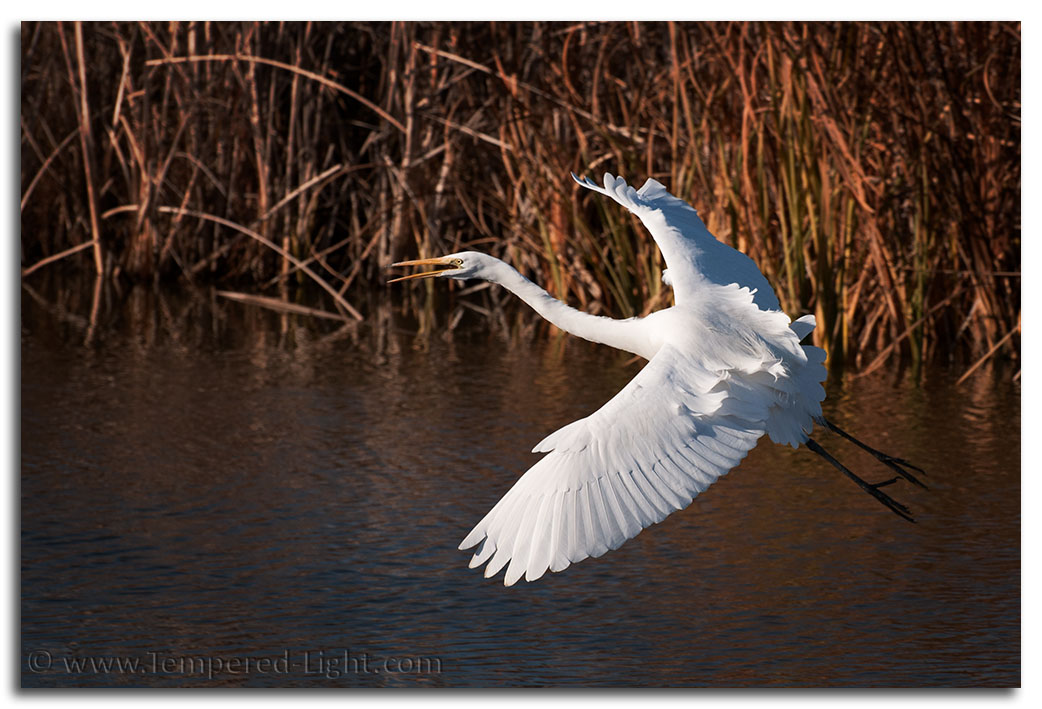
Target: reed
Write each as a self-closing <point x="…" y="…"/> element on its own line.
<point x="871" y="169"/>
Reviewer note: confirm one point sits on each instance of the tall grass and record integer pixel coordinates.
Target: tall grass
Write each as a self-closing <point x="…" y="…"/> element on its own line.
<point x="871" y="169"/>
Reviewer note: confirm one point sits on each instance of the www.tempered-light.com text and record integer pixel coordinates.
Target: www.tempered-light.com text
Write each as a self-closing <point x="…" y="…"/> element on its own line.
<point x="321" y="663"/>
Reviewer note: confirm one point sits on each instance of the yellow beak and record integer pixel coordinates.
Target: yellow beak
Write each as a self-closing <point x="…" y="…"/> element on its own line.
<point x="440" y="261"/>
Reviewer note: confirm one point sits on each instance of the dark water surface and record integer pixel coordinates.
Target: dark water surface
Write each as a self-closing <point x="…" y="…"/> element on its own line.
<point x="214" y="495"/>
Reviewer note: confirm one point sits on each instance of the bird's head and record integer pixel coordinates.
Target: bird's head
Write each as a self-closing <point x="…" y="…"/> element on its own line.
<point x="462" y="265"/>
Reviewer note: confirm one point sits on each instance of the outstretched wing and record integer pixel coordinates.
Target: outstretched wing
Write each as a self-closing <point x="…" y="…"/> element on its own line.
<point x="693" y="255"/>
<point x="668" y="435"/>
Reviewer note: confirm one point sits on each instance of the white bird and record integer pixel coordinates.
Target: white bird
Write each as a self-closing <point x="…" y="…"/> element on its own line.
<point x="725" y="367"/>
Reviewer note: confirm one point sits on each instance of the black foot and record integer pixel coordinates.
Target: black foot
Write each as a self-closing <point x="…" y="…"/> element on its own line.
<point x="872" y="489"/>
<point x="890" y="461"/>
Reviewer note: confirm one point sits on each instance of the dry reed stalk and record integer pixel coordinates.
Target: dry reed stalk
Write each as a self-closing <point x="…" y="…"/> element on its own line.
<point x="288" y="67"/>
<point x="988" y="354"/>
<point x="79" y="80"/>
<point x="279" y="305"/>
<point x="56" y="257"/>
<point x="46" y="164"/>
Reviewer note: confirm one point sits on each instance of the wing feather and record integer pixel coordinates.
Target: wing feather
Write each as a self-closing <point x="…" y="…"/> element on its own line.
<point x="669" y="484"/>
<point x="685" y="481"/>
<point x="542" y="546"/>
<point x="522" y="542"/>
<point x="622" y="506"/>
<point x="593" y="543"/>
<point x="499" y="560"/>
<point x="484" y="553"/>
<point x="559" y="541"/>
<point x="658" y="507"/>
<point x="604" y="518"/>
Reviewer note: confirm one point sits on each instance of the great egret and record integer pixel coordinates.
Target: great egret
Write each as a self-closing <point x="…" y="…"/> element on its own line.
<point x="725" y="366"/>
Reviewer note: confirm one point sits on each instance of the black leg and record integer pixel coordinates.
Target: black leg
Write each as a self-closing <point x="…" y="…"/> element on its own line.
<point x="888" y="460"/>
<point x="873" y="490"/>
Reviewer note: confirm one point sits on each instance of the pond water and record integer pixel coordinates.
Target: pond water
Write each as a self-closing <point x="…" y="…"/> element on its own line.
<point x="217" y="495"/>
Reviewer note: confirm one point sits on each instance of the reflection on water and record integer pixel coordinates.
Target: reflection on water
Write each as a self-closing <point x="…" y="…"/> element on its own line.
<point x="228" y="496"/>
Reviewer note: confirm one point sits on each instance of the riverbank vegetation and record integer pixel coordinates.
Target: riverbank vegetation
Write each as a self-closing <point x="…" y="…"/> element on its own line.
<point x="871" y="169"/>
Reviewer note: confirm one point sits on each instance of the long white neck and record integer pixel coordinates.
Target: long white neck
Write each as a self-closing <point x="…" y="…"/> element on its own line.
<point x="627" y="335"/>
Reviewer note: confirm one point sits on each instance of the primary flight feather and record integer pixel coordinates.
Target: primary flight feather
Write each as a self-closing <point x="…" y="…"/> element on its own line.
<point x="725" y="367"/>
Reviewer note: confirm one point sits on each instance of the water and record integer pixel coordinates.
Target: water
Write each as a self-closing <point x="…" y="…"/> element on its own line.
<point x="214" y="495"/>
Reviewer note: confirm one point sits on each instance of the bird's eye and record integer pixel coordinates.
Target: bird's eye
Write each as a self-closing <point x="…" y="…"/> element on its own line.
<point x="457" y="262"/>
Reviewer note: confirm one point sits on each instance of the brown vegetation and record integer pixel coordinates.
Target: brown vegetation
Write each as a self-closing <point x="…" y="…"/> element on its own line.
<point x="871" y="169"/>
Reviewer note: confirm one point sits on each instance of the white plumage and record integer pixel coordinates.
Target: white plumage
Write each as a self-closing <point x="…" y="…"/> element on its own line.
<point x="725" y="367"/>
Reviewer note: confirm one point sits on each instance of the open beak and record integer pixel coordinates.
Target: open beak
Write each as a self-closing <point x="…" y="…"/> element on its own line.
<point x="443" y="261"/>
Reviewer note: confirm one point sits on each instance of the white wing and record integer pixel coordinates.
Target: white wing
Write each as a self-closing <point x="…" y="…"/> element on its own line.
<point x="693" y="255"/>
<point x="668" y="435"/>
